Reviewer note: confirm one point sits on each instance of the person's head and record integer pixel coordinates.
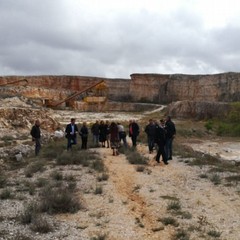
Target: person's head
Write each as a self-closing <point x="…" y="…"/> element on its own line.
<point x="72" y="120"/>
<point x="162" y="122"/>
<point x="37" y="122"/>
<point x="168" y="118"/>
<point x="84" y="124"/>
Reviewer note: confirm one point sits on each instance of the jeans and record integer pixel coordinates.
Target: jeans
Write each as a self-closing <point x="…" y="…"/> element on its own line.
<point x="37" y="146"/>
<point x="150" y="143"/>
<point x="71" y="141"/>
<point x="95" y="140"/>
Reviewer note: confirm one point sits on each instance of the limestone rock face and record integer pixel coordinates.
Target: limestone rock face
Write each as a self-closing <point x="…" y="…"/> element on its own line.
<point x="60" y="87"/>
<point x="24" y="118"/>
<point x="161" y="88"/>
<point x="198" y="109"/>
<point x="154" y="88"/>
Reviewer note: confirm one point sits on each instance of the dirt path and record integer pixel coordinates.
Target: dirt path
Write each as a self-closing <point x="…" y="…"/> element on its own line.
<point x="124" y="178"/>
<point x="133" y="204"/>
<point x="142" y="199"/>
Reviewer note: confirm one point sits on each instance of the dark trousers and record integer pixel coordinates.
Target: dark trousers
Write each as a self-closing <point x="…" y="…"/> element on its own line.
<point x="161" y="151"/>
<point x="37" y="146"/>
<point x="168" y="147"/>
<point x="150" y="143"/>
<point x="71" y="141"/>
<point x="84" y="142"/>
<point x="122" y="137"/>
<point x="134" y="140"/>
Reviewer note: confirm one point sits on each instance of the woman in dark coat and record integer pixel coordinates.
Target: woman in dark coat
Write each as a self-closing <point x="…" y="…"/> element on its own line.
<point x="114" y="138"/>
<point x="102" y="133"/>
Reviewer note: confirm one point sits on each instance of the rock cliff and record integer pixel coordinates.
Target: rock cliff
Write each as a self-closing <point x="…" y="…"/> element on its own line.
<point x="162" y="88"/>
<point x="151" y="88"/>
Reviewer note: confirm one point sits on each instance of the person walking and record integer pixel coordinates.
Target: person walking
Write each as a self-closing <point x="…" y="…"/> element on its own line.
<point x="150" y="130"/>
<point x="160" y="139"/>
<point x="102" y="133"/>
<point x="133" y="132"/>
<point x="170" y="134"/>
<point x="36" y="136"/>
<point x="114" y="138"/>
<point x="84" y="135"/>
<point x="70" y="131"/>
<point x="108" y="133"/>
<point x="122" y="134"/>
<point x="95" y="133"/>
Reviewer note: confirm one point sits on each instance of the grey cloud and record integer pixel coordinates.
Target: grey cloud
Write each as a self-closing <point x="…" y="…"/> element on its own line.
<point x="47" y="38"/>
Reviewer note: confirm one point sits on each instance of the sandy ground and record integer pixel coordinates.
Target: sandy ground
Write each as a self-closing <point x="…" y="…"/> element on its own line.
<point x="133" y="202"/>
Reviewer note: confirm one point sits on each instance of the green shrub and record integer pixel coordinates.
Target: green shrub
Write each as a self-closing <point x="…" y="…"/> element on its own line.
<point x="174" y="205"/>
<point x="59" y="200"/>
<point x="103" y="177"/>
<point x="214" y="233"/>
<point x="6" y="194"/>
<point x="98" y="190"/>
<point x="134" y="157"/>
<point x="58" y="176"/>
<point x="3" y="180"/>
<point x="209" y="125"/>
<point x="34" y="167"/>
<point x="41" y="182"/>
<point x="169" y="221"/>
<point x="215" y="179"/>
<point x="181" y="234"/>
<point x="41" y="225"/>
<point x="29" y="213"/>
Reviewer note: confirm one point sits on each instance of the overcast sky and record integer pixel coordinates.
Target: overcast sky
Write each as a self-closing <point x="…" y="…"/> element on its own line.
<point x="115" y="38"/>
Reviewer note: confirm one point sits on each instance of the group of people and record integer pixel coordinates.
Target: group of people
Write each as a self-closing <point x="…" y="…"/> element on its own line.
<point x="162" y="135"/>
<point x="106" y="134"/>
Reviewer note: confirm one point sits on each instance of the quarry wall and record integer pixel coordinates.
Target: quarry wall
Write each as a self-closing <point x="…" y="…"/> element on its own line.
<point x="154" y="88"/>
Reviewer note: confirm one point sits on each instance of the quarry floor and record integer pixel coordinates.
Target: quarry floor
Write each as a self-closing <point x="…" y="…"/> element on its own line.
<point x="137" y="204"/>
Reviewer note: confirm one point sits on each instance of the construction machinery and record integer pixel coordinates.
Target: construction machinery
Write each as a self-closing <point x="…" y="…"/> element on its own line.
<point x="14" y="82"/>
<point x="94" y="94"/>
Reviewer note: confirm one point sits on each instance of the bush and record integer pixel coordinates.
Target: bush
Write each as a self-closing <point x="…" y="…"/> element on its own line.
<point x="33" y="168"/>
<point x="40" y="225"/>
<point x="169" y="221"/>
<point x="174" y="205"/>
<point x="181" y="234"/>
<point x="6" y="194"/>
<point x="98" y="190"/>
<point x="214" y="233"/>
<point x="103" y="177"/>
<point x="29" y="213"/>
<point x="59" y="200"/>
<point x="135" y="157"/>
<point x="3" y="180"/>
<point x="57" y="175"/>
<point x="209" y="125"/>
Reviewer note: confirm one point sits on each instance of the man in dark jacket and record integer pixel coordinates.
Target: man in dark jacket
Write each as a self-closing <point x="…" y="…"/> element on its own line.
<point x="171" y="132"/>
<point x="36" y="136"/>
<point x="71" y="130"/>
<point x="160" y="139"/>
<point x="150" y="130"/>
<point x="84" y="135"/>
